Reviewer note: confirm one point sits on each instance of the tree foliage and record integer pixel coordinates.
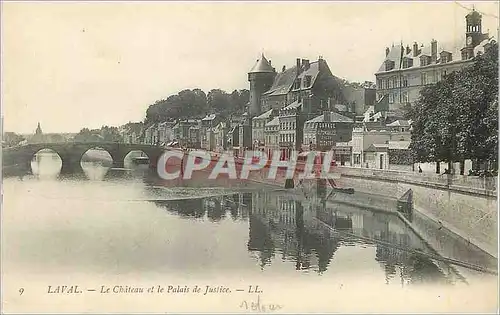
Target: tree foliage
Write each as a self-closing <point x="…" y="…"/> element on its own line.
<point x="196" y="104"/>
<point x="457" y="118"/>
<point x="105" y="134"/>
<point x="11" y="139"/>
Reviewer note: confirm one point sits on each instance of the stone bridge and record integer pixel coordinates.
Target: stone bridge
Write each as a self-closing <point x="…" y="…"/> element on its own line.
<point x="71" y="153"/>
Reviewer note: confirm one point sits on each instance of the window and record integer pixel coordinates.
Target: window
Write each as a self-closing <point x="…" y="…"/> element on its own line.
<point x="407" y="63"/>
<point x="391" y="98"/>
<point x="405" y="80"/>
<point x="423" y="78"/>
<point x="307" y="81"/>
<point x="425" y="60"/>
<point x="404" y="97"/>
<point x="389" y="65"/>
<point x="391" y="81"/>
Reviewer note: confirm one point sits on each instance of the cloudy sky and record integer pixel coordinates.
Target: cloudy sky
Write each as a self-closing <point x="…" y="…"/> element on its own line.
<point x="74" y="65"/>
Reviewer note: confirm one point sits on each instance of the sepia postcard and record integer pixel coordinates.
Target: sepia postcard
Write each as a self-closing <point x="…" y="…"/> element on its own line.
<point x="249" y="157"/>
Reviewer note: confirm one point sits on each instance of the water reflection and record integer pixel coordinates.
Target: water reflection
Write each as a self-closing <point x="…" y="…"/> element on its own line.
<point x="280" y="232"/>
<point x="46" y="164"/>
<point x="96" y="164"/>
<point x="306" y="235"/>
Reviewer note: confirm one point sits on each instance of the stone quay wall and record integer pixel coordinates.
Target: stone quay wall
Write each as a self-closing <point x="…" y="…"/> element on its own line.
<point x="465" y="205"/>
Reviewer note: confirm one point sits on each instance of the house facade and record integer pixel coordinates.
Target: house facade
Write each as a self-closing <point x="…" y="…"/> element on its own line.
<point x="258" y="128"/>
<point x="322" y="132"/>
<point x="406" y="70"/>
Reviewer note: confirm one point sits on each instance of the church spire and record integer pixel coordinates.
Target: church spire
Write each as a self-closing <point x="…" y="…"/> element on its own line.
<point x="38" y="129"/>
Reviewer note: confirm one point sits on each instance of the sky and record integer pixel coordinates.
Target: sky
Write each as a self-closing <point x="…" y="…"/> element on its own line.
<point x="70" y="65"/>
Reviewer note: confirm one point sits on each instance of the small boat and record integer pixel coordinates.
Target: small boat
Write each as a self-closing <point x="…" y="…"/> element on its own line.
<point x="142" y="159"/>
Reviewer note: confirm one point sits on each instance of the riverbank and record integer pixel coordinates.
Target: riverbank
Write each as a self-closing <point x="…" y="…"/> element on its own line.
<point x="464" y="205"/>
<point x="446" y="242"/>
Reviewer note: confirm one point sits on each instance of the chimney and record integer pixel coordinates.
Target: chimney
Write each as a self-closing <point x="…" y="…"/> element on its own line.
<point x="298" y="66"/>
<point x="415" y="49"/>
<point x="305" y="64"/>
<point x="408" y="50"/>
<point x="386" y="51"/>
<point x="283" y="69"/>
<point x="434" y="49"/>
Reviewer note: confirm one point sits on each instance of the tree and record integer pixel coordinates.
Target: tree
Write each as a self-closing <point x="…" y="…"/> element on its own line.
<point x="11" y="139"/>
<point x="457" y="118"/>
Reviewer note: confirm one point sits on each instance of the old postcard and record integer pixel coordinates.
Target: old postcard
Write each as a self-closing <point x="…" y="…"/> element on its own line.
<point x="240" y="157"/>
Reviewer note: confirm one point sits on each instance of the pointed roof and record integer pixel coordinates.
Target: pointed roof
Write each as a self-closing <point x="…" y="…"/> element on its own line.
<point x="262" y="65"/>
<point x="265" y="115"/>
<point x="38" y="129"/>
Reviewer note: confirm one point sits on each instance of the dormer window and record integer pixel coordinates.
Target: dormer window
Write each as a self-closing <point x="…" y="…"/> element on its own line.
<point x="389" y="65"/>
<point x="307" y="81"/>
<point x="407" y="63"/>
<point x="445" y="57"/>
<point x="425" y="60"/>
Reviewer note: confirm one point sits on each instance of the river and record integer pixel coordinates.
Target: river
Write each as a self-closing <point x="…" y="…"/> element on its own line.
<point x="123" y="227"/>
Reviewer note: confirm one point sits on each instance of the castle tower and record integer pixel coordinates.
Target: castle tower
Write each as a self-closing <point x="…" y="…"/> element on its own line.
<point x="473" y="32"/>
<point x="261" y="78"/>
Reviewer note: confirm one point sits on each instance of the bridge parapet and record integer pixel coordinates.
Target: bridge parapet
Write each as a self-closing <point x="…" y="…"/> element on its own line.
<point x="72" y="152"/>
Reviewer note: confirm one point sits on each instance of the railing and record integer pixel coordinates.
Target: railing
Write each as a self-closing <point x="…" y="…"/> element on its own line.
<point x="471" y="184"/>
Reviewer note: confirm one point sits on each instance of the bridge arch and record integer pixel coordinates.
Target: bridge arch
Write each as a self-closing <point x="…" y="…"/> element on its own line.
<point x="96" y="154"/>
<point x="128" y="158"/>
<point x="45" y="162"/>
<point x="19" y="158"/>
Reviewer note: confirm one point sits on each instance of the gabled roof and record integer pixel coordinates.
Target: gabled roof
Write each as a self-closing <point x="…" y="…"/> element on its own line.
<point x="399" y="123"/>
<point x="292" y="106"/>
<point x="284" y="80"/>
<point x="265" y="115"/>
<point x="261" y="65"/>
<point x="334" y="117"/>
<point x="274" y="122"/>
<point x="399" y="145"/>
<point x="377" y="147"/>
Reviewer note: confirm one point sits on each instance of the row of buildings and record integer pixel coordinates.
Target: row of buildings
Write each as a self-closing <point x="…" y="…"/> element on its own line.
<point x="306" y="107"/>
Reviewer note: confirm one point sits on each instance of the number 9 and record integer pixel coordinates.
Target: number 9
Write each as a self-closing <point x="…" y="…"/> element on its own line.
<point x="21" y="291"/>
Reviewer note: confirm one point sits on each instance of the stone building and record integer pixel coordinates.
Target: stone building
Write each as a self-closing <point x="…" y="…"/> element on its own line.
<point x="406" y="70"/>
<point x="195" y="137"/>
<point x="359" y="98"/>
<point x="365" y="142"/>
<point x="272" y="136"/>
<point x="220" y="137"/>
<point x="322" y="132"/>
<point x="290" y="129"/>
<point x="245" y="134"/>
<point x="165" y="132"/>
<point x="258" y="126"/>
<point x="182" y="131"/>
<point x="297" y="94"/>
<point x="306" y="79"/>
<point x="207" y="122"/>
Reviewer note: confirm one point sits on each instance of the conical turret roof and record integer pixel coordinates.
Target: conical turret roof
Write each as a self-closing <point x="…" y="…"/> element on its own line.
<point x="262" y="65"/>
